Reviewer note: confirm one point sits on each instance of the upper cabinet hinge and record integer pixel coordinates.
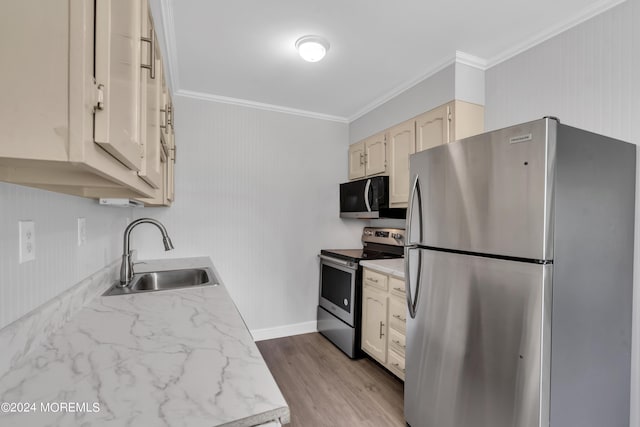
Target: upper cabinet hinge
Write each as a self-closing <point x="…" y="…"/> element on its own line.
<point x="98" y="100"/>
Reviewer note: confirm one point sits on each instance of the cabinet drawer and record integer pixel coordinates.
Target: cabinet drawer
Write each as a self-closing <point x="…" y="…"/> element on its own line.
<point x="396" y="286"/>
<point x="398" y="314"/>
<point x="395" y="364"/>
<point x="375" y="279"/>
<point x="397" y="341"/>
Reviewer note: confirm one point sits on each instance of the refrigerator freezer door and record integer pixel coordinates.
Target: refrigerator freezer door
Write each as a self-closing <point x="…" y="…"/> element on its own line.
<point x="490" y="194"/>
<point x="478" y="349"/>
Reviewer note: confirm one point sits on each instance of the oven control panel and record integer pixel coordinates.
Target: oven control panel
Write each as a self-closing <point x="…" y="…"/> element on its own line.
<point x="387" y="236"/>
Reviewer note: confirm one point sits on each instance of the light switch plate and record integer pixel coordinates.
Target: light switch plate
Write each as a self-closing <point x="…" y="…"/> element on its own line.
<point x="82" y="231"/>
<point x="27" y="241"/>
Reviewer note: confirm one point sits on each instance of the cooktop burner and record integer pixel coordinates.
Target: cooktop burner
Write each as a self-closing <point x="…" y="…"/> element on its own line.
<point x="378" y="243"/>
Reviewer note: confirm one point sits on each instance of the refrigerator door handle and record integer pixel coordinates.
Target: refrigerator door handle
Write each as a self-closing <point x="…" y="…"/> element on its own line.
<point x="415" y="190"/>
<point x="412" y="304"/>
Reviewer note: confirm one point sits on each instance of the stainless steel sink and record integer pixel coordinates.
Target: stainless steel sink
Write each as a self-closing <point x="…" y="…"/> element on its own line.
<point x="165" y="280"/>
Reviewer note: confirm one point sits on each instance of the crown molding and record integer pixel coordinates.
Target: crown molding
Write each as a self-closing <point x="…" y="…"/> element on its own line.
<point x="549" y="33"/>
<point x="458" y="58"/>
<point x="402" y="88"/>
<point x="470" y="60"/>
<point x="168" y="28"/>
<point x="259" y="105"/>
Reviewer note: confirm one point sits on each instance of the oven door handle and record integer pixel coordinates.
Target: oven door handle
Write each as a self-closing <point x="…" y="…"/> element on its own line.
<point x="348" y="264"/>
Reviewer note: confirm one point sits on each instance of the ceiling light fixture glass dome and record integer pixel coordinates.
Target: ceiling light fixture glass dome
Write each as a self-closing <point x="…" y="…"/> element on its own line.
<point x="312" y="48"/>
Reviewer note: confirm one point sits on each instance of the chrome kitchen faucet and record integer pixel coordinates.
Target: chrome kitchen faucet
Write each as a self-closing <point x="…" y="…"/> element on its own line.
<point x="126" y="269"/>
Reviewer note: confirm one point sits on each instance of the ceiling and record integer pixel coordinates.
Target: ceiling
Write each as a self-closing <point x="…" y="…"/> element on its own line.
<point x="243" y="51"/>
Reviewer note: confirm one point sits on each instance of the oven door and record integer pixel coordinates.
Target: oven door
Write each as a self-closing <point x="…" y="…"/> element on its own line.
<point x="338" y="288"/>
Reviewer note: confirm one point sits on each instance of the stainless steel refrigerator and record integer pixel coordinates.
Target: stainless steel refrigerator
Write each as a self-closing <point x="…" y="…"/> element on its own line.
<point x="519" y="280"/>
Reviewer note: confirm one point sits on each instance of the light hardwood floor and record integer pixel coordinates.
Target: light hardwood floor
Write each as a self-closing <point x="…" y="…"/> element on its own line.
<point x="323" y="387"/>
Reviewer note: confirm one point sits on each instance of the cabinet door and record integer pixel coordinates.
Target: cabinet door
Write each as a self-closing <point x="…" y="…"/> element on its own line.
<point x="375" y="154"/>
<point x="356" y="160"/>
<point x="465" y="120"/>
<point x="151" y="94"/>
<point x="171" y="164"/>
<point x="117" y="72"/>
<point x="401" y="145"/>
<point x="432" y="128"/>
<point x="374" y="323"/>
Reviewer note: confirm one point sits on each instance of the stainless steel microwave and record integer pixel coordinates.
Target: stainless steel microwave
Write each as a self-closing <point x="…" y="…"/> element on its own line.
<point x="367" y="198"/>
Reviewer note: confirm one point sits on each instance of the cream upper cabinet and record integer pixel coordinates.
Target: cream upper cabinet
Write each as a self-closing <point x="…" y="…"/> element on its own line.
<point x="151" y="104"/>
<point x="466" y="120"/>
<point x="117" y="72"/>
<point x="368" y="157"/>
<point x="447" y="123"/>
<point x="374" y="323"/>
<point x="401" y="146"/>
<point x="96" y="133"/>
<point x="163" y="144"/>
<point x="375" y="154"/>
<point x="356" y="160"/>
<point x="432" y="128"/>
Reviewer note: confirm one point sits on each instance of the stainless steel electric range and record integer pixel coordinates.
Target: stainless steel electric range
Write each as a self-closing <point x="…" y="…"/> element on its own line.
<point x="340" y="302"/>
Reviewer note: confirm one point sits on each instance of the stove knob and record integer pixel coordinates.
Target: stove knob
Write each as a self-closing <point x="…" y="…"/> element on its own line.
<point x="396" y="236"/>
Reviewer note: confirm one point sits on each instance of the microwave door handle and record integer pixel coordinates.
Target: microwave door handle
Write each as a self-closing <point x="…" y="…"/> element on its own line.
<point x="367" y="191"/>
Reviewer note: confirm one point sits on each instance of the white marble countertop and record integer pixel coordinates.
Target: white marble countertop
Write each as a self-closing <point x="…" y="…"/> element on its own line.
<point x="182" y="357"/>
<point x="394" y="267"/>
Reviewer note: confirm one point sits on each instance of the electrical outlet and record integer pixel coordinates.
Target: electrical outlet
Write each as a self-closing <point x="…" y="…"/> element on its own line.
<point x="82" y="231"/>
<point x="27" y="249"/>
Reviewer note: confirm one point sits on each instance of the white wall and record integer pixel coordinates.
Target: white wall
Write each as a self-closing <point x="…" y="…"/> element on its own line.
<point x="257" y="191"/>
<point x="588" y="77"/>
<point x="436" y="90"/>
<point x="59" y="262"/>
<point x="469" y="84"/>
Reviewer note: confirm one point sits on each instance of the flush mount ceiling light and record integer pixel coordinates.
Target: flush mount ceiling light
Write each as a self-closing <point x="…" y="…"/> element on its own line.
<point x="312" y="48"/>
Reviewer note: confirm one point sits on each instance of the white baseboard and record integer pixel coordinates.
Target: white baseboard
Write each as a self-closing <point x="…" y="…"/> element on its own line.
<point x="284" y="331"/>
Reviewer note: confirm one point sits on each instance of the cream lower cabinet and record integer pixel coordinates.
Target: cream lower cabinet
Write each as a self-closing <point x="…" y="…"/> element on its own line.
<point x="368" y="157"/>
<point x="374" y="323"/>
<point x="384" y="320"/>
<point x="75" y="98"/>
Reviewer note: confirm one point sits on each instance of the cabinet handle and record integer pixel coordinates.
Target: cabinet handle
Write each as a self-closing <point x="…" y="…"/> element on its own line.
<point x="372" y="280"/>
<point x="381" y="333"/>
<point x="397" y="365"/>
<point x="152" y="55"/>
<point x="397" y="316"/>
<point x="399" y="344"/>
<point x="399" y="289"/>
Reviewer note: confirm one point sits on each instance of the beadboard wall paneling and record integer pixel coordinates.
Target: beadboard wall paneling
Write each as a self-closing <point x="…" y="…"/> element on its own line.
<point x="586" y="76"/>
<point x="257" y="191"/>
<point x="589" y="77"/>
<point x="59" y="262"/>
